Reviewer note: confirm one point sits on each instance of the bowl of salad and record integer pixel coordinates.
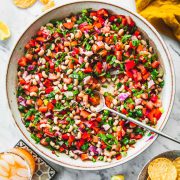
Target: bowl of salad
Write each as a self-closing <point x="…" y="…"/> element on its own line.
<point x="66" y="55"/>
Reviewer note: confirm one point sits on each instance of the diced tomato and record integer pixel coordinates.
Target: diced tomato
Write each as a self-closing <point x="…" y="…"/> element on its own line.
<point x="129" y="64"/>
<point x="94" y="100"/>
<point x="51" y="64"/>
<point x="118" y="55"/>
<point x="22" y="62"/>
<point x="112" y="18"/>
<point x="68" y="25"/>
<point x="88" y="70"/>
<point x="39" y="135"/>
<point x="48" y="133"/>
<point x="132" y="125"/>
<point x="103" y="145"/>
<point x="124" y="111"/>
<point x="118" y="157"/>
<point x="43" y="109"/>
<point x="95" y="139"/>
<point x="61" y="149"/>
<point x="139" y="136"/>
<point x="49" y="89"/>
<point x="99" y="118"/>
<point x="131" y="45"/>
<point x="33" y="89"/>
<point x="142" y="69"/>
<point x="155" y="64"/>
<point x="50" y="106"/>
<point x="154" y="98"/>
<point x="151" y="116"/>
<point x="22" y="81"/>
<point x="136" y="75"/>
<point x="149" y="105"/>
<point x="67" y="80"/>
<point x="95" y="48"/>
<point x="146" y="75"/>
<point x="130" y="22"/>
<point x="103" y="12"/>
<point x="47" y="83"/>
<point x="108" y="101"/>
<point x="39" y="102"/>
<point x="157" y="113"/>
<point x="43" y="142"/>
<point x="129" y="74"/>
<point x="123" y="20"/>
<point x="55" y="35"/>
<point x="84" y="157"/>
<point x="86" y="136"/>
<point x="80" y="143"/>
<point x="137" y="33"/>
<point x="84" y="114"/>
<point x="65" y="137"/>
<point x="93" y="13"/>
<point x="139" y="48"/>
<point x="97" y="24"/>
<point x="70" y="140"/>
<point x="98" y="67"/>
<point x="40" y="39"/>
<point x="122" y="123"/>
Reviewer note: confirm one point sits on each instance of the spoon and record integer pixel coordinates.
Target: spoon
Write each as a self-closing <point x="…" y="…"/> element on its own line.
<point x="102" y="106"/>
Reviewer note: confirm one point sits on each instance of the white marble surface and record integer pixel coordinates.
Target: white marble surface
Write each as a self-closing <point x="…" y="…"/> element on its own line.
<point x="17" y="19"/>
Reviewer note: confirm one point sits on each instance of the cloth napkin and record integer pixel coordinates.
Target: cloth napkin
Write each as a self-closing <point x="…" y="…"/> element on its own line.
<point x="164" y="15"/>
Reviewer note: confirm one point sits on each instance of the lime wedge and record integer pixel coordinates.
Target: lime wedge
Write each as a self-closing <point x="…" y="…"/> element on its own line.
<point x="118" y="177"/>
<point x="4" y="31"/>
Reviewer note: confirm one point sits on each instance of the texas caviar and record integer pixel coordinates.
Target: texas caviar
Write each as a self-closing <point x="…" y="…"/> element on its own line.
<point x="62" y="66"/>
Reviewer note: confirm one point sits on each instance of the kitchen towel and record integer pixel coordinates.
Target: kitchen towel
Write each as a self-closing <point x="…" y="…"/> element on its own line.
<point x="164" y="15"/>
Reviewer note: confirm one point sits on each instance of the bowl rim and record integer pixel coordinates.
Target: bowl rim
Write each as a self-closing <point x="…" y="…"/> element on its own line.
<point x="109" y="165"/>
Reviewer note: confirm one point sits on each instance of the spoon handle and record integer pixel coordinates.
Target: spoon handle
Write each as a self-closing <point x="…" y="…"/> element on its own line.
<point x="142" y="125"/>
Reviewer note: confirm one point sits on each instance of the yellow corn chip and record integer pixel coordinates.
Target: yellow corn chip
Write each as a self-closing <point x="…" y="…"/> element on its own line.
<point x="4" y="31"/>
<point x="44" y="1"/>
<point x="163" y="169"/>
<point x="49" y="5"/>
<point x="176" y="162"/>
<point x="24" y="3"/>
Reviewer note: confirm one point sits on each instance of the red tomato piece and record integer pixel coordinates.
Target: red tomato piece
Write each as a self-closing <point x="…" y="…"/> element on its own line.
<point x="129" y="64"/>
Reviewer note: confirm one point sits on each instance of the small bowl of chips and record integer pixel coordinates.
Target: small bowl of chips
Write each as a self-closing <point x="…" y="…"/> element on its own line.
<point x="165" y="166"/>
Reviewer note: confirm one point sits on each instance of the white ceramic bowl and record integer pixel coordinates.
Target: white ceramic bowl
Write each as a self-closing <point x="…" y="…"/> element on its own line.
<point x="62" y="12"/>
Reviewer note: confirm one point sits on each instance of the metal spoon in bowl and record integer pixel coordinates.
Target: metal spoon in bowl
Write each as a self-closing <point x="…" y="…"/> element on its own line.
<point x="102" y="106"/>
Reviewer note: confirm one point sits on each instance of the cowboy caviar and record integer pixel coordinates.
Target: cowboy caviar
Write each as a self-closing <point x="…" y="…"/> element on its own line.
<point x="65" y="62"/>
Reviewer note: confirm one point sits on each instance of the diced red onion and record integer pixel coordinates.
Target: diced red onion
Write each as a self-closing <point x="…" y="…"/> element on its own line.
<point x="99" y="43"/>
<point x="104" y="66"/>
<point x="99" y="150"/>
<point x="24" y="74"/>
<point x="57" y="133"/>
<point x="106" y="127"/>
<point x="87" y="79"/>
<point x="88" y="53"/>
<point x="150" y="83"/>
<point x="93" y="149"/>
<point x="30" y="67"/>
<point x="77" y="152"/>
<point x="123" y="96"/>
<point x="48" y="114"/>
<point x="82" y="25"/>
<point x="81" y="60"/>
<point x="22" y="101"/>
<point x="138" y="101"/>
<point x="97" y="30"/>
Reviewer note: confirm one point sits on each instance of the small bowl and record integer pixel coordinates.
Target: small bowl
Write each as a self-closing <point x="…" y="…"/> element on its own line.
<point x="61" y="12"/>
<point x="169" y="155"/>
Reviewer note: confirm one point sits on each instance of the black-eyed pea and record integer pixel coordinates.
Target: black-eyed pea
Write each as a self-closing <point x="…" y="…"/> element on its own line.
<point x="69" y="71"/>
<point x="41" y="52"/>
